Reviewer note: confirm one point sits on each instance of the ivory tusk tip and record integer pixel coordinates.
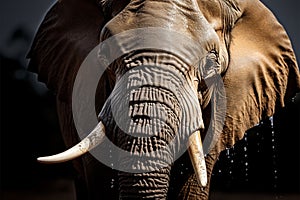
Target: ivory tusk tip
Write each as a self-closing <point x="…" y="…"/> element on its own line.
<point x="42" y="160"/>
<point x="202" y="180"/>
<point x="92" y="140"/>
<point x="197" y="158"/>
<point x="201" y="175"/>
<point x="49" y="160"/>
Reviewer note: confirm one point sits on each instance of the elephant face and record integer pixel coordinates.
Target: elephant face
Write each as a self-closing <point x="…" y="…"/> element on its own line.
<point x="199" y="53"/>
<point x="172" y="55"/>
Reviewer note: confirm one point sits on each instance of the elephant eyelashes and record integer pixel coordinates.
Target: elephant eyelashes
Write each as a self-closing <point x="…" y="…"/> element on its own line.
<point x="209" y="66"/>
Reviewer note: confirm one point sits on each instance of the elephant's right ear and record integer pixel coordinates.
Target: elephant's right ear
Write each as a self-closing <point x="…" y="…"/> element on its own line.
<point x="69" y="31"/>
<point x="262" y="74"/>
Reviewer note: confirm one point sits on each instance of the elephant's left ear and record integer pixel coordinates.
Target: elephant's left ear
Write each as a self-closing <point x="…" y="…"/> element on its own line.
<point x="262" y="74"/>
<point x="68" y="32"/>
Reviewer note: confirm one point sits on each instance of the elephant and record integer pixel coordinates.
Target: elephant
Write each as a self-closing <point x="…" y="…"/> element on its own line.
<point x="199" y="51"/>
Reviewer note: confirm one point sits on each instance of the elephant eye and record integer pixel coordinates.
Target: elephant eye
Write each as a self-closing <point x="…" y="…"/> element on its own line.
<point x="209" y="66"/>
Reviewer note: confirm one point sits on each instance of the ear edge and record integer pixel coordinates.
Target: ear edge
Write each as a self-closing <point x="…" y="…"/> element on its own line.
<point x="262" y="73"/>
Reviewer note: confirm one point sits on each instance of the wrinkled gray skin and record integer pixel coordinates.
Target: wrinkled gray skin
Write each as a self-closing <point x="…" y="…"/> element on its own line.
<point x="254" y="57"/>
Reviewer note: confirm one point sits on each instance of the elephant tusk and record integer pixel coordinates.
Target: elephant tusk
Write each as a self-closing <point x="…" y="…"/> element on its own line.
<point x="92" y="140"/>
<point x="197" y="158"/>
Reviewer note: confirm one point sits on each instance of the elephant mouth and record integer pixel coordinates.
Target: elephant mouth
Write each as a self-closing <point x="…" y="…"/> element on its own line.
<point x="154" y="112"/>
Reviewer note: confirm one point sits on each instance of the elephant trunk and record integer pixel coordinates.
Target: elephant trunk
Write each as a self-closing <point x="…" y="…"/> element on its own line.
<point x="151" y="115"/>
<point x="151" y="185"/>
<point x="147" y="115"/>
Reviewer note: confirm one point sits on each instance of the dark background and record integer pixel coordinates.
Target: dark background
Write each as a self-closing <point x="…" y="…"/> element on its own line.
<point x="262" y="166"/>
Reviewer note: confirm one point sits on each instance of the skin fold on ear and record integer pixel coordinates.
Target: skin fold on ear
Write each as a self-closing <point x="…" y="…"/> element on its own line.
<point x="262" y="73"/>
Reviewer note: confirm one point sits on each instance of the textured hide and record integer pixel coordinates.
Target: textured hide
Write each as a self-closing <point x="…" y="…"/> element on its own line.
<point x="262" y="75"/>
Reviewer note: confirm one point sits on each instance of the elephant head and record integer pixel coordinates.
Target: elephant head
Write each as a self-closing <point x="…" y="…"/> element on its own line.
<point x="177" y="57"/>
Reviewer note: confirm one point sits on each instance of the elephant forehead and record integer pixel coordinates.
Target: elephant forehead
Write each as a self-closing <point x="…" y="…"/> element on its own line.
<point x="151" y="38"/>
<point x="184" y="17"/>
